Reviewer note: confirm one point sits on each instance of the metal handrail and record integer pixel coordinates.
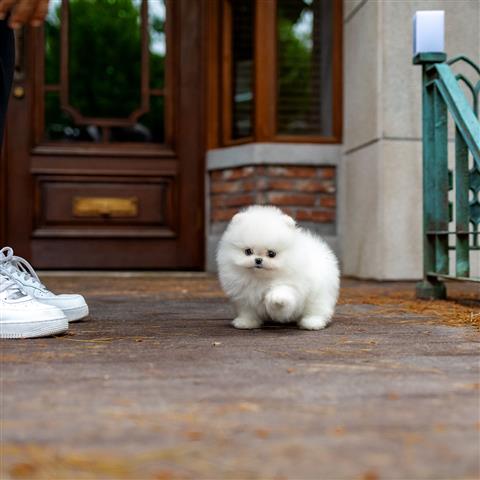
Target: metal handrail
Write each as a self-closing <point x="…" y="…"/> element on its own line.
<point x="463" y="58"/>
<point x="441" y="96"/>
<point x="463" y="114"/>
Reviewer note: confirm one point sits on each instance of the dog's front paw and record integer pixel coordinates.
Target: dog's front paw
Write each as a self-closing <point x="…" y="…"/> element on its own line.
<point x="313" y="323"/>
<point x="246" y="323"/>
<point x="280" y="303"/>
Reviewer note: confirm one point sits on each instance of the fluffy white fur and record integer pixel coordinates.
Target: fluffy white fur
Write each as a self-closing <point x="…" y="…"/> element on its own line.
<point x="299" y="282"/>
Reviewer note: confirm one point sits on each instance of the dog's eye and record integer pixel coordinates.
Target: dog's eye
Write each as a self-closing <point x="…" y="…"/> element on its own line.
<point x="271" y="253"/>
<point x="248" y="251"/>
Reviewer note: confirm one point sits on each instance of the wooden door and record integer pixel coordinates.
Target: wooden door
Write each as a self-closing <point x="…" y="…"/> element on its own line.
<point x="104" y="153"/>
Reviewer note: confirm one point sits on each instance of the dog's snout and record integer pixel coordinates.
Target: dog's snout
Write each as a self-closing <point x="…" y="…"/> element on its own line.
<point x="258" y="261"/>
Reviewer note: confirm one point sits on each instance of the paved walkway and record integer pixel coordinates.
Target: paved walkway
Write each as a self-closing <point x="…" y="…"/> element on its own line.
<point x="156" y="384"/>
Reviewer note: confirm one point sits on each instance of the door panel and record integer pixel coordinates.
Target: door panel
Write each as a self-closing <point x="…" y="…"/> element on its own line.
<point x="104" y="147"/>
<point x="93" y="206"/>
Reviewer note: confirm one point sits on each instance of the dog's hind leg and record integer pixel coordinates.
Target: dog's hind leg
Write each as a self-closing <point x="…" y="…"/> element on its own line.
<point x="318" y="313"/>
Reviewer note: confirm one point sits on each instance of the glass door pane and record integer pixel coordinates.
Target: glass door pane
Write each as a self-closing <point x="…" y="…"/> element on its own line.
<point x="105" y="71"/>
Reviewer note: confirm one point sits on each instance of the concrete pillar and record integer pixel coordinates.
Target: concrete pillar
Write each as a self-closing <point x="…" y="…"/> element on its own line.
<point x="380" y="177"/>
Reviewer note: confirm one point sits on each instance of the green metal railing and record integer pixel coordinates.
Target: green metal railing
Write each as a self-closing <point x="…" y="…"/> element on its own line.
<point x="449" y="226"/>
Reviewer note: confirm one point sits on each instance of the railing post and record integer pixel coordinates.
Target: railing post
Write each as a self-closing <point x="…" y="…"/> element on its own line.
<point x="434" y="156"/>
<point x="439" y="197"/>
<point x="462" y="210"/>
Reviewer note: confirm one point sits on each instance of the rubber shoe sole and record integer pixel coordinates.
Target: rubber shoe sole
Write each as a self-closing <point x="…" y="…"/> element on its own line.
<point x="44" y="328"/>
<point x="75" y="314"/>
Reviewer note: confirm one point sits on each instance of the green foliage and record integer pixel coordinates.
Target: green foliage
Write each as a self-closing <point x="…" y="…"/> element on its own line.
<point x="104" y="58"/>
<point x="294" y="63"/>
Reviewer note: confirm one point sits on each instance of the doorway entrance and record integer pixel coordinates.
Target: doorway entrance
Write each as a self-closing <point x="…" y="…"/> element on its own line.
<point x="104" y="149"/>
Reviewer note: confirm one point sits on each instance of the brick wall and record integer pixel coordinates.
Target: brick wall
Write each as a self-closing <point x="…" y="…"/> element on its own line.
<point x="307" y="193"/>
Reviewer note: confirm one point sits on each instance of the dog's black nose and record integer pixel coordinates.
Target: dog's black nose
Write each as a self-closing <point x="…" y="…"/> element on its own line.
<point x="258" y="261"/>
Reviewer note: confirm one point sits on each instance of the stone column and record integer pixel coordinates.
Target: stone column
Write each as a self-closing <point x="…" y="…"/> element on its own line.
<point x="380" y="176"/>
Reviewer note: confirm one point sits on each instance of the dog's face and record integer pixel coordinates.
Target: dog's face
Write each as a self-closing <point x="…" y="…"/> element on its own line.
<point x="258" y="240"/>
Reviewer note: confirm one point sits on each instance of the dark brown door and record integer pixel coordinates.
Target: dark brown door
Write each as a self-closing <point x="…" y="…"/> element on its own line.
<point x="103" y="154"/>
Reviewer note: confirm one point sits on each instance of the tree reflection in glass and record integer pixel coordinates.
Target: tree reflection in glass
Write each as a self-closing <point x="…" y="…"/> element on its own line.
<point x="104" y="74"/>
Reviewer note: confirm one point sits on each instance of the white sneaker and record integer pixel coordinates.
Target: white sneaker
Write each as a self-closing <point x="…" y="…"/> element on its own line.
<point x="18" y="269"/>
<point x="23" y="317"/>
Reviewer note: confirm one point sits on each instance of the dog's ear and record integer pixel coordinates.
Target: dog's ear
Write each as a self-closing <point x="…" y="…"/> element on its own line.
<point x="289" y="221"/>
<point x="237" y="217"/>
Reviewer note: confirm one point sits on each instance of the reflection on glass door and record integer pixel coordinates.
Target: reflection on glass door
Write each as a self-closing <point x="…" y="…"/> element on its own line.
<point x="105" y="63"/>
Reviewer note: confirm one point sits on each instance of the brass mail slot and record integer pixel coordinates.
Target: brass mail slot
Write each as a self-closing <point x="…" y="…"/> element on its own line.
<point x="105" y="207"/>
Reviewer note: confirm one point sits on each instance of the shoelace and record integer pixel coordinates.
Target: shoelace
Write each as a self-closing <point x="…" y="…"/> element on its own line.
<point x="9" y="286"/>
<point x="22" y="267"/>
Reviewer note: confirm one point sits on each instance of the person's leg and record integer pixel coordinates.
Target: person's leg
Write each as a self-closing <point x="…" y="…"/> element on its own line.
<point x="7" y="65"/>
<point x="21" y="316"/>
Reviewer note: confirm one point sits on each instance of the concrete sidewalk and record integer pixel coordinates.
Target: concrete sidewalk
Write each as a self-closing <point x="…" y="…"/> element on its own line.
<point x="157" y="385"/>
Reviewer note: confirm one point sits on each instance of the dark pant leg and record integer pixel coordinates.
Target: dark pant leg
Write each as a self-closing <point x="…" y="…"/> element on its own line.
<point x="7" y="65"/>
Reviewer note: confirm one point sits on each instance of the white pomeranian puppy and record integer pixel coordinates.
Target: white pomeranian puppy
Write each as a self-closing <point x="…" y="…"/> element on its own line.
<point x="272" y="269"/>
